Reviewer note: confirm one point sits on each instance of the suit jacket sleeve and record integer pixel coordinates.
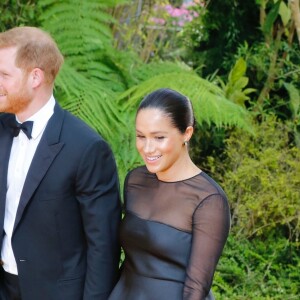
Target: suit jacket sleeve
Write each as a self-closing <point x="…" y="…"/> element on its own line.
<point x="97" y="190"/>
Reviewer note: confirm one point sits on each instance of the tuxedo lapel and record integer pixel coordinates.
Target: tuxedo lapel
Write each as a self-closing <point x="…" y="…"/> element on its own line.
<point x="6" y="139"/>
<point x="44" y="156"/>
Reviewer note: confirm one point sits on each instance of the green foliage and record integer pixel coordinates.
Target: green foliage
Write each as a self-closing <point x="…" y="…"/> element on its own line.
<point x="285" y="13"/>
<point x="277" y="9"/>
<point x="263" y="34"/>
<point x="261" y="176"/>
<point x="260" y="173"/>
<point x="294" y="105"/>
<point x="219" y="31"/>
<point x="16" y="13"/>
<point x="85" y="44"/>
<point x="258" y="269"/>
<point x="235" y="89"/>
<point x="280" y="82"/>
<point x="194" y="32"/>
<point x="94" y="74"/>
<point x="257" y="58"/>
<point x="156" y="68"/>
<point x="271" y="17"/>
<point x="294" y="99"/>
<point x="209" y="103"/>
<point x="93" y="70"/>
<point x="89" y="75"/>
<point x="207" y="141"/>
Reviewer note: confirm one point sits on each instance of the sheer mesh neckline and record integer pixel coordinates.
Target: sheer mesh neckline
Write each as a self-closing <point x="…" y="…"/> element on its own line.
<point x="198" y="211"/>
<point x="174" y="203"/>
<point x="178" y="181"/>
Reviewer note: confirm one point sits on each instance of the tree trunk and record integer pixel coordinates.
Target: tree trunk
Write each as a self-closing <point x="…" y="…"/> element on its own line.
<point x="294" y="4"/>
<point x="273" y="68"/>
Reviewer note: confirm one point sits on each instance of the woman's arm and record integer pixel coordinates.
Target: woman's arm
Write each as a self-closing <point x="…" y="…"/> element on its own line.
<point x="211" y="223"/>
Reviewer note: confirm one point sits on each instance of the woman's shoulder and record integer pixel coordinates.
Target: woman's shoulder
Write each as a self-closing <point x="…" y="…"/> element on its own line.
<point x="209" y="186"/>
<point x="138" y="170"/>
<point x="139" y="175"/>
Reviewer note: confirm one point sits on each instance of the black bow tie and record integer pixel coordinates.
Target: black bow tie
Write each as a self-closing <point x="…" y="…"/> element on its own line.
<point x="26" y="127"/>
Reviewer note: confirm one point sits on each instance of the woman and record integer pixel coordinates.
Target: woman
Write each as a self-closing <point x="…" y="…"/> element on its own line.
<point x="176" y="217"/>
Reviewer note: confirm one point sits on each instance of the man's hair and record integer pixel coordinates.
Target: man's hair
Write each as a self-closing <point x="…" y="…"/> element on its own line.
<point x="35" y="49"/>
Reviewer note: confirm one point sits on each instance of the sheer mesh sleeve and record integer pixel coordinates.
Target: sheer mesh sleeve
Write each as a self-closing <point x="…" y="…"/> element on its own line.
<point x="196" y="208"/>
<point x="211" y="222"/>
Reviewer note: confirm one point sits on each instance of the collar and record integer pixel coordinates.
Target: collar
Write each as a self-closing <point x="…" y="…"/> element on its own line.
<point x="41" y="118"/>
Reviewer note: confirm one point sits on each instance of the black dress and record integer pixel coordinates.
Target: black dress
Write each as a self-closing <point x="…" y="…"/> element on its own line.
<point x="173" y="234"/>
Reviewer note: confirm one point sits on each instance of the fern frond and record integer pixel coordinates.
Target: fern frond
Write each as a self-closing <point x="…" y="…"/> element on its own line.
<point x="209" y="102"/>
<point x="147" y="71"/>
<point x="78" y="26"/>
<point x="93" y="102"/>
<point x="90" y="100"/>
<point x="81" y="29"/>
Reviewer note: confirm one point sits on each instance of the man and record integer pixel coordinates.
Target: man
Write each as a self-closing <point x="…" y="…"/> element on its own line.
<point x="59" y="197"/>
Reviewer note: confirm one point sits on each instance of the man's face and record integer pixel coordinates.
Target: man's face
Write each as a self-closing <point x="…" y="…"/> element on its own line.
<point x="15" y="95"/>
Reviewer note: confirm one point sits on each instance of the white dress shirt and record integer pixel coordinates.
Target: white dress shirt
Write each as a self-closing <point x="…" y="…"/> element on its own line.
<point x="21" y="156"/>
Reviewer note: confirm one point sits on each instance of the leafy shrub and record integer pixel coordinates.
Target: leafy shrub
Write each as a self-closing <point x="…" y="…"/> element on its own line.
<point x="258" y="269"/>
<point x="15" y="13"/>
<point x="261" y="176"/>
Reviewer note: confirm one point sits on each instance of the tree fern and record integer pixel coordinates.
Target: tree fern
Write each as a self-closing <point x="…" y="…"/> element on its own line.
<point x="210" y="104"/>
<point x="94" y="104"/>
<point x="81" y="29"/>
<point x="103" y="86"/>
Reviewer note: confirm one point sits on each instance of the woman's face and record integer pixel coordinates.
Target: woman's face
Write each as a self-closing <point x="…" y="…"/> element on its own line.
<point x="160" y="144"/>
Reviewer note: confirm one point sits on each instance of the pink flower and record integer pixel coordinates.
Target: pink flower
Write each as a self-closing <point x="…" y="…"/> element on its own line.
<point x="161" y="21"/>
<point x="169" y="8"/>
<point x="158" y="21"/>
<point x="189" y="18"/>
<point x="176" y="12"/>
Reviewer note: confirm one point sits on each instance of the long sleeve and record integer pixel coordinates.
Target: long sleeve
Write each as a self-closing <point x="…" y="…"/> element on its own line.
<point x="98" y="195"/>
<point x="211" y="223"/>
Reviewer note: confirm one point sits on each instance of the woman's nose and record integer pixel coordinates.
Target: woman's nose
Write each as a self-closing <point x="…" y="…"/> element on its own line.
<point x="149" y="146"/>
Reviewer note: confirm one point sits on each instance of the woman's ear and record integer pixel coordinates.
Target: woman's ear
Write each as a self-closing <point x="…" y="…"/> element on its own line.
<point x="188" y="133"/>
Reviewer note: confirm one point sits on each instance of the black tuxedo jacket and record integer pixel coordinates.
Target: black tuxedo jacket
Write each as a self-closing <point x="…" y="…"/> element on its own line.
<point x="65" y="237"/>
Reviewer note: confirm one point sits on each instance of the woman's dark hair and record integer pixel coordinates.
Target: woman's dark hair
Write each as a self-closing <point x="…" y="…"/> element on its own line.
<point x="175" y="105"/>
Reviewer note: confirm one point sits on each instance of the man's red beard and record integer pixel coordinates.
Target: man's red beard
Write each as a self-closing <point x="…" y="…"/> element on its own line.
<point x="16" y="102"/>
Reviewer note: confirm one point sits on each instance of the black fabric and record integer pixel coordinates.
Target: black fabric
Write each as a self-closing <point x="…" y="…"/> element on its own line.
<point x="65" y="237"/>
<point x="10" y="287"/>
<point x="26" y="127"/>
<point x="173" y="234"/>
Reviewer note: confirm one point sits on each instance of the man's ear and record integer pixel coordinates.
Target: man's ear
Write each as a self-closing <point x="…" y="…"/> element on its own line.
<point x="37" y="77"/>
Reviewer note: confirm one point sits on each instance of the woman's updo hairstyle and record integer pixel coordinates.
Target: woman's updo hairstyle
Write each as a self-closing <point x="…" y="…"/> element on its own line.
<point x="175" y="105"/>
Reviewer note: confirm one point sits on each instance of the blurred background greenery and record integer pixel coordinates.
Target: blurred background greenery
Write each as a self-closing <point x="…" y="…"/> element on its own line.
<point x="238" y="62"/>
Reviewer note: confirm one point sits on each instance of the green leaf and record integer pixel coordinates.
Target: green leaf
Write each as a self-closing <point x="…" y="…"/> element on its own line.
<point x="271" y="17"/>
<point x="238" y="70"/>
<point x="294" y="98"/>
<point x="249" y="91"/>
<point x="241" y="83"/>
<point x="285" y="13"/>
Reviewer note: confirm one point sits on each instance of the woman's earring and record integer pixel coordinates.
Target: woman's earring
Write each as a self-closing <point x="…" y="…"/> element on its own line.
<point x="185" y="143"/>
